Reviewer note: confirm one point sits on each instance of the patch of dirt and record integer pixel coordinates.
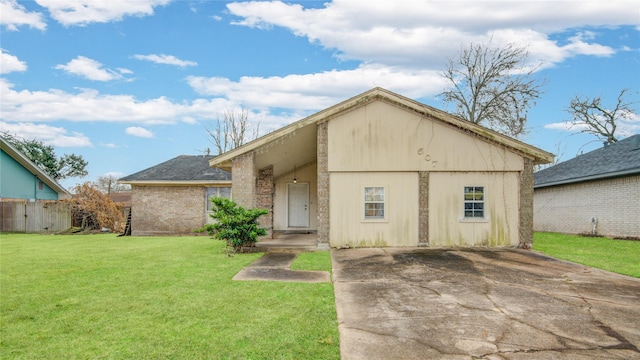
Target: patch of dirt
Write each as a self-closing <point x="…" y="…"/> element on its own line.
<point x="630" y="238"/>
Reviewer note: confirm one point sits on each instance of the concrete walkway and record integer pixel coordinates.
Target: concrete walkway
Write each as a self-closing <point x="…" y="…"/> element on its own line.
<point x="274" y="266"/>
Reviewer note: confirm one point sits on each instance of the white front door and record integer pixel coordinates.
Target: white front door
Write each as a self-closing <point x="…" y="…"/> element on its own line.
<point x="298" y="204"/>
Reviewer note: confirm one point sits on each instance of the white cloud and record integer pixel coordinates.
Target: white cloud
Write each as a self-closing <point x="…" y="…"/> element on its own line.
<point x="13" y="15"/>
<point x="85" y="105"/>
<point x="420" y="34"/>
<point x="91" y="69"/>
<point x="114" y="174"/>
<point x="89" y="105"/>
<point x="83" y="12"/>
<point x="50" y="135"/>
<point x="165" y="59"/>
<point x="320" y="90"/>
<point x="10" y="63"/>
<point x="138" y="131"/>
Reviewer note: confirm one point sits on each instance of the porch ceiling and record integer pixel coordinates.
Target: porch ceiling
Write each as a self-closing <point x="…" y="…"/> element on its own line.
<point x="294" y="149"/>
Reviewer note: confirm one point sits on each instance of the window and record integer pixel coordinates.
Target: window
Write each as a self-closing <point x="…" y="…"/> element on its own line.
<point x="223" y="192"/>
<point x="374" y="203"/>
<point x="474" y="201"/>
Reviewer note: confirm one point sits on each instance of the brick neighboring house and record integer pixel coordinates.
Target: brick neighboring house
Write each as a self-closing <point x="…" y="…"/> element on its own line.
<point x="380" y="169"/>
<point x="598" y="190"/>
<point x="171" y="198"/>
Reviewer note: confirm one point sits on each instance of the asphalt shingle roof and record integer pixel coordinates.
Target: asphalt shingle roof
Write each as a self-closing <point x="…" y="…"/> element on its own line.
<point x="617" y="159"/>
<point x="182" y="168"/>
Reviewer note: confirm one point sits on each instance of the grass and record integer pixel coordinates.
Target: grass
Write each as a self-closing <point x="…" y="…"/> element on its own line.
<point x="317" y="260"/>
<point x="108" y="297"/>
<point x="620" y="256"/>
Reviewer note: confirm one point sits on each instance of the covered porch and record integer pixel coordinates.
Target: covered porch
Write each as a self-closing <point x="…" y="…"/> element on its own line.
<point x="279" y="173"/>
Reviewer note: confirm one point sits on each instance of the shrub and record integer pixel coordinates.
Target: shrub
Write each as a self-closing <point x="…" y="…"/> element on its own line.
<point x="234" y="224"/>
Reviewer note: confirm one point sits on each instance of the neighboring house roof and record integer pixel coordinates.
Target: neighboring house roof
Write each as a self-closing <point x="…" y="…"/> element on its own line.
<point x="184" y="169"/>
<point x="123" y="197"/>
<point x="33" y="168"/>
<point x="539" y="156"/>
<point x="621" y="158"/>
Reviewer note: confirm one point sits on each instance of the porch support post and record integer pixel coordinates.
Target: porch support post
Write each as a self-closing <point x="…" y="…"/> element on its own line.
<point x="243" y="179"/>
<point x="323" y="184"/>
<point x="526" y="205"/>
<point x="264" y="198"/>
<point x="423" y="208"/>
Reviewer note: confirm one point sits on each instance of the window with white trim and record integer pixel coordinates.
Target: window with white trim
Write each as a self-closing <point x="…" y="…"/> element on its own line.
<point x="474" y="201"/>
<point x="213" y="192"/>
<point x="374" y="203"/>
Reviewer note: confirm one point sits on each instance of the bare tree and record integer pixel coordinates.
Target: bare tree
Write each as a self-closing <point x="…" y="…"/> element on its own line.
<point x="492" y="86"/>
<point x="108" y="184"/>
<point x="592" y="117"/>
<point x="559" y="153"/>
<point x="233" y="130"/>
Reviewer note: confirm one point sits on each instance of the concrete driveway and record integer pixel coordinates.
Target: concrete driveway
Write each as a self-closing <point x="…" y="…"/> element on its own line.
<point x="481" y="304"/>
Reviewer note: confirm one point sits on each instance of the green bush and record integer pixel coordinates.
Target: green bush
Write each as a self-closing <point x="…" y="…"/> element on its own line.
<point x="234" y="224"/>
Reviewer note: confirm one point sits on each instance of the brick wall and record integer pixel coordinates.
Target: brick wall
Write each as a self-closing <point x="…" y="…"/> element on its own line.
<point x="323" y="184"/>
<point x="244" y="179"/>
<point x="167" y="210"/>
<point x="526" y="205"/>
<point x="423" y="208"/>
<point x="569" y="208"/>
<point x="264" y="197"/>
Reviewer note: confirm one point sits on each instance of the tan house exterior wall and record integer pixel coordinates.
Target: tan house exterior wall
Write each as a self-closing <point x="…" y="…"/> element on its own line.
<point x="569" y="208"/>
<point x="185" y="213"/>
<point x="447" y="225"/>
<point x="305" y="174"/>
<point x="378" y="144"/>
<point x="348" y="225"/>
<point x="380" y="137"/>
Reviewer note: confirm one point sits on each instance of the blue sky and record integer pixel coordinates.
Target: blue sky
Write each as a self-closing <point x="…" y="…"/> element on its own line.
<point x="128" y="85"/>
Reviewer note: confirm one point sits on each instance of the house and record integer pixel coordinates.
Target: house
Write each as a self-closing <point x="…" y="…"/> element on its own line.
<point x="172" y="198"/>
<point x="20" y="178"/>
<point x="380" y="169"/>
<point x="594" y="193"/>
<point x="29" y="196"/>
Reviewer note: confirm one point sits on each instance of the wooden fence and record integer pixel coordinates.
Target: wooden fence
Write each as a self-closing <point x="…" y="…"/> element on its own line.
<point x="34" y="216"/>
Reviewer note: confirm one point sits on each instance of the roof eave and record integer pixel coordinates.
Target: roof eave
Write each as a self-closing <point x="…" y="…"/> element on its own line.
<point x="34" y="169"/>
<point x="175" y="182"/>
<point x="589" y="178"/>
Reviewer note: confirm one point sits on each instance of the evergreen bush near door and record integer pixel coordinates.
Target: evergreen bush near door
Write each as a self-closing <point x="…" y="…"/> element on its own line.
<point x="234" y="224"/>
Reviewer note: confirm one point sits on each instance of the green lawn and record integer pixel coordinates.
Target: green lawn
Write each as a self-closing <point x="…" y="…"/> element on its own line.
<point x="102" y="296"/>
<point x="620" y="256"/>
